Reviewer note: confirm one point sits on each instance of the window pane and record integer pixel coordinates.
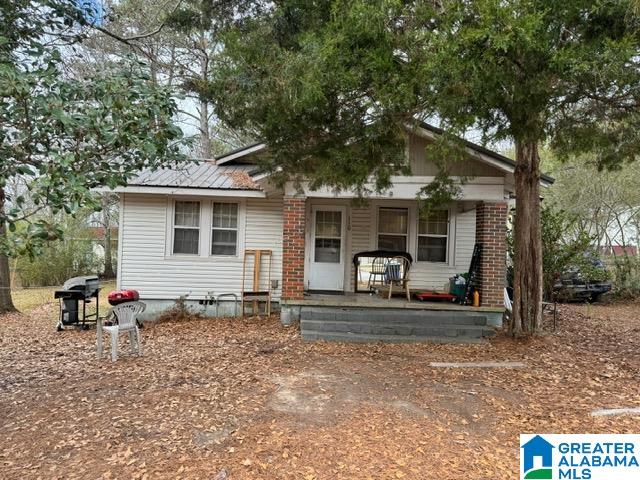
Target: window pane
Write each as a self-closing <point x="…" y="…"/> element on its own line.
<point x="327" y="250"/>
<point x="224" y="242"/>
<point x="328" y="224"/>
<point x="396" y="243"/>
<point x="432" y="249"/>
<point x="225" y="215"/>
<point x="185" y="240"/>
<point x="187" y="214"/>
<point x="393" y="220"/>
<point x="436" y="223"/>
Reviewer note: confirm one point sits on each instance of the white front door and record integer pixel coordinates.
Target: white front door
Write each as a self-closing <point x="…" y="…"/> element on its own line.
<point x="326" y="264"/>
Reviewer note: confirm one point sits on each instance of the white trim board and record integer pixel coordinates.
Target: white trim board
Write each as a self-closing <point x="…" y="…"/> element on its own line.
<point x="199" y="192"/>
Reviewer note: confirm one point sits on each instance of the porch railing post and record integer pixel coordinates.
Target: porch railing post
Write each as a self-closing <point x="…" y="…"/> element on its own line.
<point x="491" y="232"/>
<point x="293" y="248"/>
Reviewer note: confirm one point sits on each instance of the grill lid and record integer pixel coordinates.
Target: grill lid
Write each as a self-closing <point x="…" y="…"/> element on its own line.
<point x="88" y="282"/>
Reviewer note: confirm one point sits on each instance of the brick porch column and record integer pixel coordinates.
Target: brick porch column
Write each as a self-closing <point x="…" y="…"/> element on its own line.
<point x="491" y="232"/>
<point x="293" y="238"/>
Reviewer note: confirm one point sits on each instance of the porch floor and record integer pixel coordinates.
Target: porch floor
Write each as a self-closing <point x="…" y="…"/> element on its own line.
<point x="365" y="300"/>
<point x="371" y="318"/>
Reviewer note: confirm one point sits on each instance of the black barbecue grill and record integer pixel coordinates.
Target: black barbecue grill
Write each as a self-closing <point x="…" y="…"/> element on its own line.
<point x="74" y="291"/>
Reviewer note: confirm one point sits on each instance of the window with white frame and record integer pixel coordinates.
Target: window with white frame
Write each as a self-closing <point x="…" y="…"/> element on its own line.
<point x="433" y="236"/>
<point x="186" y="227"/>
<point x="393" y="226"/>
<point x="224" y="229"/>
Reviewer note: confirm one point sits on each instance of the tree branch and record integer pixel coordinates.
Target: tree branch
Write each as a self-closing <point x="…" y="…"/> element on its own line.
<point x="129" y="40"/>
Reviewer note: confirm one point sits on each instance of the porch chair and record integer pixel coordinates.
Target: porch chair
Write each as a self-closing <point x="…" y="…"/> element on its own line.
<point x="127" y="314"/>
<point x="378" y="270"/>
<point x="399" y="275"/>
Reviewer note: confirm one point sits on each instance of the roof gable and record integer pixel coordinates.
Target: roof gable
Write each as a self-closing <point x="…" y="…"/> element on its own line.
<point x="424" y="130"/>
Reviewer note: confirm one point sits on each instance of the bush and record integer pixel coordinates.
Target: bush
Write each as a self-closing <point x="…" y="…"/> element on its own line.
<point x="61" y="259"/>
<point x="625" y="271"/>
<point x="564" y="246"/>
<point x="179" y="312"/>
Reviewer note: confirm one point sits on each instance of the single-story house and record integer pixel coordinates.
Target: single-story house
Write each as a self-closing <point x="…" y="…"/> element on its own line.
<point x="184" y="232"/>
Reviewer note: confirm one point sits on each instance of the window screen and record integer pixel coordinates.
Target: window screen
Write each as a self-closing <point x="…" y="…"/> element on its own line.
<point x="392" y="229"/>
<point x="224" y="229"/>
<point x="433" y="236"/>
<point x="186" y="228"/>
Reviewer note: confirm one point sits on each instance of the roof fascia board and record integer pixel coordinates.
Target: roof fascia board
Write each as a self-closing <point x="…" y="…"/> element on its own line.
<point x="221" y="160"/>
<point x="203" y="192"/>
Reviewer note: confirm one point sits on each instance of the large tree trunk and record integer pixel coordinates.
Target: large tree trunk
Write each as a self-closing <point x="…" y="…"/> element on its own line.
<point x="106" y="223"/>
<point x="205" y="136"/>
<point x="527" y="278"/>
<point x="6" y="302"/>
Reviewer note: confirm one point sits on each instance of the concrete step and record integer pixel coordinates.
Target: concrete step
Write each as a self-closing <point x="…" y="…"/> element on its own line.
<point x="387" y="316"/>
<point x="366" y="338"/>
<point x="420" y="329"/>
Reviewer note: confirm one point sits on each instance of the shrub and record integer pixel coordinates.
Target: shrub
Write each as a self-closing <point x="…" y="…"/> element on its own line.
<point x="61" y="259"/>
<point x="179" y="312"/>
<point x="625" y="271"/>
<point x="564" y="246"/>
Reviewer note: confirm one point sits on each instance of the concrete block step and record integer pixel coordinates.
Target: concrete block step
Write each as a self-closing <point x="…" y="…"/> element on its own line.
<point x="311" y="335"/>
<point x="403" y="329"/>
<point x="384" y="316"/>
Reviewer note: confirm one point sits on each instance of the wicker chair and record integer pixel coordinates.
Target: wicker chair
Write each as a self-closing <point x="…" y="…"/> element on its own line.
<point x="378" y="271"/>
<point x="397" y="273"/>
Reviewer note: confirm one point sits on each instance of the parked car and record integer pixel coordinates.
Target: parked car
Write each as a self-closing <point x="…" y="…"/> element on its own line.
<point x="574" y="285"/>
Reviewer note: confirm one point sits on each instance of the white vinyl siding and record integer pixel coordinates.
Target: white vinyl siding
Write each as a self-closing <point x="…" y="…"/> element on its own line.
<point x="421" y="165"/>
<point x="148" y="265"/>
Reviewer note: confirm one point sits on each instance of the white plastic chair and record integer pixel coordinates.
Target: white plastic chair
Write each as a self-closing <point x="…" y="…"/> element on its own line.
<point x="127" y="314"/>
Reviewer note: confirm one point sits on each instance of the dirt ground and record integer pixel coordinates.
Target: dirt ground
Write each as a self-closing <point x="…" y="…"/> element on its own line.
<point x="247" y="399"/>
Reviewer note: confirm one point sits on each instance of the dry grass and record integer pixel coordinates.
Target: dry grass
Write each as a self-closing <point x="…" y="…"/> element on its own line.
<point x="246" y="399"/>
<point x="27" y="299"/>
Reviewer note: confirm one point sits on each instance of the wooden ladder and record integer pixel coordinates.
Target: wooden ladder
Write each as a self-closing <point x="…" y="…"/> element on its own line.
<point x="256" y="294"/>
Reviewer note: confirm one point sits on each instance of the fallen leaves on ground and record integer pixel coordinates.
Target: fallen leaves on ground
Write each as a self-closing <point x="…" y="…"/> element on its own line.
<point x="247" y="399"/>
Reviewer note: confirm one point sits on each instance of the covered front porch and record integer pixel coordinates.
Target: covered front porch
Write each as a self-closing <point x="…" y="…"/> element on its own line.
<point x="324" y="271"/>
<point x="322" y="236"/>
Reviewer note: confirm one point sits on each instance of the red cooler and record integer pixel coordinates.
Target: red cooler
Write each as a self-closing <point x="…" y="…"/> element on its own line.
<point x="122" y="296"/>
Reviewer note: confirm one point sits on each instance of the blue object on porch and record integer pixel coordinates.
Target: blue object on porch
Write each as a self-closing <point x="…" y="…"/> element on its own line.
<point x="392" y="272"/>
<point x="374" y="254"/>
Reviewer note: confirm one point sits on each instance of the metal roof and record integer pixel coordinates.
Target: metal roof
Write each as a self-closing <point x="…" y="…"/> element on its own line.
<point x="199" y="174"/>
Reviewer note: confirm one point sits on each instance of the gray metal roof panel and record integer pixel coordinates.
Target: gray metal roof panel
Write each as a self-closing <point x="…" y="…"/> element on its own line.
<point x="203" y="174"/>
